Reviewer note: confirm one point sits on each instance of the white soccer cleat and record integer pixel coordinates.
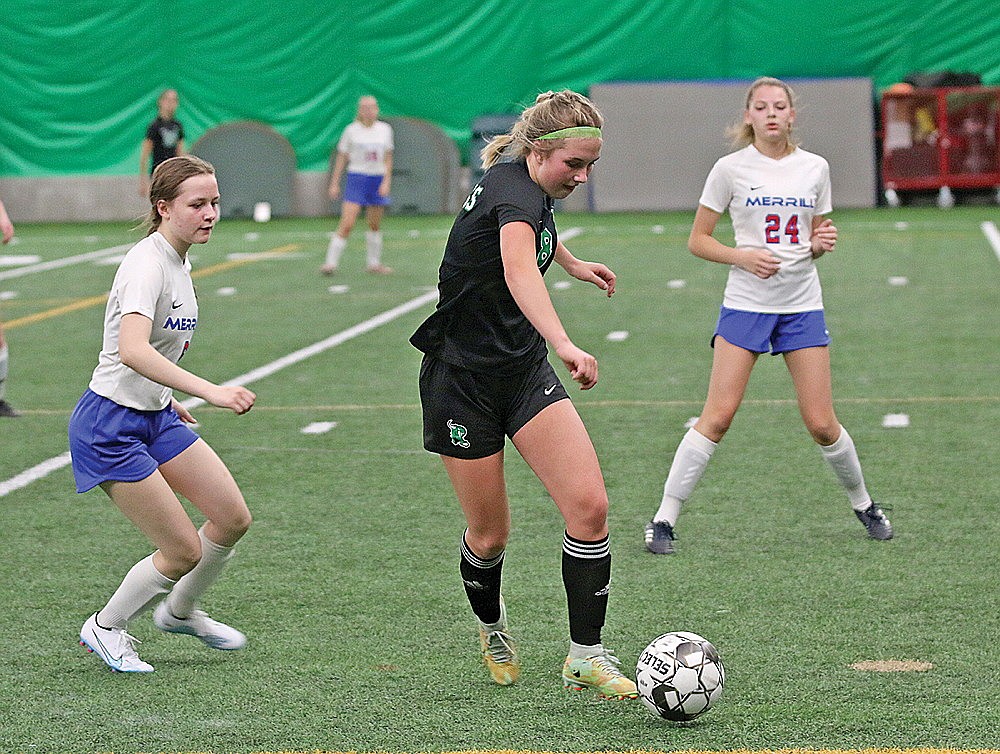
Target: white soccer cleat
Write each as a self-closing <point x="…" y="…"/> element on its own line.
<point x="215" y="634"/>
<point x="113" y="645"/>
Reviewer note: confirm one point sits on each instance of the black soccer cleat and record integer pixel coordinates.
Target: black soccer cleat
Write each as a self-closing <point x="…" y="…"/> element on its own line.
<point x="875" y="522"/>
<point x="660" y="538"/>
<point x="7" y="410"/>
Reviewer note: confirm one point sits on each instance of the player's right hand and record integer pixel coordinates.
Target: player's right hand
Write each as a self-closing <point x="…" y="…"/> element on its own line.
<point x="759" y="262"/>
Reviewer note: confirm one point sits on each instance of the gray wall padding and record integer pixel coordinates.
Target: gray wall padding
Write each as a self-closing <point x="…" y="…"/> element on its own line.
<point x="253" y="163"/>
<point x="662" y="138"/>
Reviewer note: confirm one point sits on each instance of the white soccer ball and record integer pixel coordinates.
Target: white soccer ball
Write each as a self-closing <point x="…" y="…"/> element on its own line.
<point x="679" y="675"/>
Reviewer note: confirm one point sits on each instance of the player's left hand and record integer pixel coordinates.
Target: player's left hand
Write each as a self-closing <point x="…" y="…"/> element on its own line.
<point x="824" y="238"/>
<point x="581" y="365"/>
<point x="599" y="274"/>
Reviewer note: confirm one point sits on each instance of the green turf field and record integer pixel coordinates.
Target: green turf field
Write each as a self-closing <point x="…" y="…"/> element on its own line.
<point x="347" y="584"/>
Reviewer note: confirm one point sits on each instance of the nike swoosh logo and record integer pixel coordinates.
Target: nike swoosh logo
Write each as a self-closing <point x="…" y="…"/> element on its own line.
<point x="104" y="650"/>
<point x="754" y="188"/>
<point x="177" y="306"/>
<point x="549" y="389"/>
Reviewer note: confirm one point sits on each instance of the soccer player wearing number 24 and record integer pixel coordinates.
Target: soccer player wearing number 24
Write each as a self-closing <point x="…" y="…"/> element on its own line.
<point x="777" y="196"/>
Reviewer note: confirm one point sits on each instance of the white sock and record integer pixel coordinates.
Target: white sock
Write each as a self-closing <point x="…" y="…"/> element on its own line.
<point x="373" y="243"/>
<point x="688" y="466"/>
<point x="4" y="360"/>
<point x="139" y="589"/>
<point x="843" y="459"/>
<point x="196" y="582"/>
<point x="579" y="651"/>
<point x="334" y="250"/>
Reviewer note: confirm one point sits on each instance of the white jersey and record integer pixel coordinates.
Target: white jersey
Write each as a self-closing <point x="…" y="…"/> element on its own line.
<point x="155" y="282"/>
<point x="772" y="204"/>
<point x="366" y="147"/>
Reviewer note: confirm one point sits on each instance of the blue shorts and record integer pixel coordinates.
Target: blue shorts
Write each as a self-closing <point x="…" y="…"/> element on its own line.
<point x="363" y="189"/>
<point x="109" y="442"/>
<point x="777" y="333"/>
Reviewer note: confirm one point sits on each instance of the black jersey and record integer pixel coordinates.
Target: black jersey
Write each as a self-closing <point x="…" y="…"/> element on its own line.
<point x="477" y="325"/>
<point x="165" y="135"/>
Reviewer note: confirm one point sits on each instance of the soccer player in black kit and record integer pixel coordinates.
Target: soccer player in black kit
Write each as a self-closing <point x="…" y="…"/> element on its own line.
<point x="164" y="138"/>
<point x="486" y="376"/>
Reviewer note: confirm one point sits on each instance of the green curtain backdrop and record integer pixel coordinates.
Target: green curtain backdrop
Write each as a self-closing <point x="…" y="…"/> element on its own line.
<point x="79" y="80"/>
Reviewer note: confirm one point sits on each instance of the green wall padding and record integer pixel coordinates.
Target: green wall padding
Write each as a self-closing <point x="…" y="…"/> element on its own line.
<point x="79" y="80"/>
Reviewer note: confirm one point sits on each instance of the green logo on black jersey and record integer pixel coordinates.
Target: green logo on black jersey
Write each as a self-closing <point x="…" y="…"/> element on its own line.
<point x="458" y="433"/>
<point x="545" y="249"/>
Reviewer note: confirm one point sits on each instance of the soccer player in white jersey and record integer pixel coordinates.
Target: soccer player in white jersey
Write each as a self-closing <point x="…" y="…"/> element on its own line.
<point x="366" y="149"/>
<point x="777" y="196"/>
<point x="130" y="436"/>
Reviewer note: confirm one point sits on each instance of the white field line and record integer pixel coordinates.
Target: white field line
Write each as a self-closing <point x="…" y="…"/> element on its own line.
<point x="55" y="463"/>
<point x="64" y="262"/>
<point x="992" y="235"/>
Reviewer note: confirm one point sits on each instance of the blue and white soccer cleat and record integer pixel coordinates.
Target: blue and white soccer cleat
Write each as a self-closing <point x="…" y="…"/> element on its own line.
<point x="215" y="634"/>
<point x="113" y="645"/>
<point x="875" y="522"/>
<point x="660" y="537"/>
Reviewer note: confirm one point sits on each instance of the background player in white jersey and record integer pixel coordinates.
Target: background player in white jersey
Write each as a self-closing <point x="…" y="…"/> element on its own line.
<point x="486" y="376"/>
<point x="366" y="149"/>
<point x="777" y="195"/>
<point x="129" y="435"/>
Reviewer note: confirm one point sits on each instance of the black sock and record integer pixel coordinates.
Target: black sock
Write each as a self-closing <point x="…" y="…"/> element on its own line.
<point x="482" y="583"/>
<point x="586" y="572"/>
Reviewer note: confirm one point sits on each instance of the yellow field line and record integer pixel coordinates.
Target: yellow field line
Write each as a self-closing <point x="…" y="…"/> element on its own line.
<point x="85" y="303"/>
<point x="692" y="751"/>
<point x="738" y="751"/>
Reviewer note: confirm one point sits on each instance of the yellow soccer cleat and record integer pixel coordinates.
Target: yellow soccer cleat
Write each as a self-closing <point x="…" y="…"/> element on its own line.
<point x="599" y="672"/>
<point x="499" y="652"/>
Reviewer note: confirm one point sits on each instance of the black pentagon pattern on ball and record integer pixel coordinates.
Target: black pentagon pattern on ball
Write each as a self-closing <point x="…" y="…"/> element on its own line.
<point x="668" y="700"/>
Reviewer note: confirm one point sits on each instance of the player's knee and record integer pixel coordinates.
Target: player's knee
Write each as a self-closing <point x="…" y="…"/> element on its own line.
<point x="488" y="543"/>
<point x="824" y="431"/>
<point x="181" y="558"/>
<point x="715" y="426"/>
<point x="236" y="523"/>
<point x="590" y="516"/>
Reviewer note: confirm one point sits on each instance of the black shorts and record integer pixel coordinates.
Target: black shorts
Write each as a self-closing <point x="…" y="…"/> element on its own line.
<point x="468" y="414"/>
